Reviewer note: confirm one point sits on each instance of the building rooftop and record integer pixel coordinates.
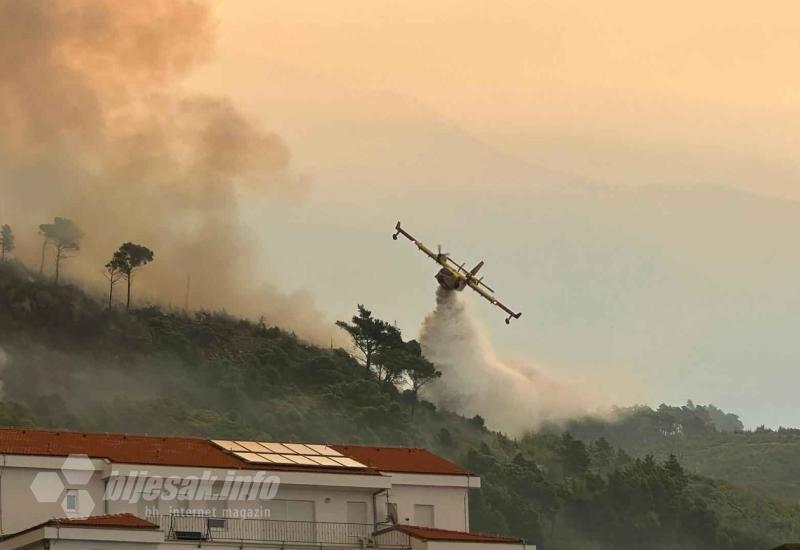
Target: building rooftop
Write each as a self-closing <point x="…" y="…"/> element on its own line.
<point x="113" y="520"/>
<point x="203" y="453"/>
<point x="402" y="460"/>
<point x="431" y="533"/>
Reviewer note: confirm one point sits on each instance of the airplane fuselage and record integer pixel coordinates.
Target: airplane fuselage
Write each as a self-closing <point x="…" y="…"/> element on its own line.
<point x="450" y="281"/>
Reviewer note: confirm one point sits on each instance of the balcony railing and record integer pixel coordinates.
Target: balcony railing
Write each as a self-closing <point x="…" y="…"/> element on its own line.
<point x="293" y="533"/>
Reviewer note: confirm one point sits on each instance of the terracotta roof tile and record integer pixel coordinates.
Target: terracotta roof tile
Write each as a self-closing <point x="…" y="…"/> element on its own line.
<point x="402" y="460"/>
<point x="431" y="533"/>
<point x="139" y="449"/>
<point x="202" y="453"/>
<point x="114" y="520"/>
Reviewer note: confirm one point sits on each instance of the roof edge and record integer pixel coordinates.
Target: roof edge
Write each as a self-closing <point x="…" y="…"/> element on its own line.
<point x="450" y="535"/>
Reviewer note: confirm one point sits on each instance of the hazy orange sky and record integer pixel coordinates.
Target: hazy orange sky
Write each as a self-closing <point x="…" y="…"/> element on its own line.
<point x="621" y="91"/>
<point x="628" y="171"/>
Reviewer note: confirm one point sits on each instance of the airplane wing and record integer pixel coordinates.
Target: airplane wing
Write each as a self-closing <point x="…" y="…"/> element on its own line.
<point x="441" y="259"/>
<point x="477" y="286"/>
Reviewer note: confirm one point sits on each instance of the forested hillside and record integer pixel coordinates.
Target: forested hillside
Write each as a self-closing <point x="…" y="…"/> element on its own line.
<point x="707" y="441"/>
<point x="67" y="361"/>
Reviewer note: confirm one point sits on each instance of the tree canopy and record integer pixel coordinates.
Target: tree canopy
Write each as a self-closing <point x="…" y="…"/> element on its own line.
<point x="371" y="337"/>
<point x="6" y="241"/>
<point x="64" y="236"/>
<point x="128" y="259"/>
<point x="383" y="351"/>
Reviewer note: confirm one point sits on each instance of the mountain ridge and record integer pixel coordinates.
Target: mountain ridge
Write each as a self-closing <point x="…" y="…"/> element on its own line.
<point x="72" y="363"/>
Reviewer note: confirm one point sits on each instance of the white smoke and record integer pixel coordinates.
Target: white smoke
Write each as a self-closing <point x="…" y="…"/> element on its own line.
<point x="512" y="396"/>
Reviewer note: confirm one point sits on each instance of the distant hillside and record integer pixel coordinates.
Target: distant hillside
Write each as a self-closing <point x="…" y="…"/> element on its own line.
<point x="708" y="442"/>
<point x="67" y="362"/>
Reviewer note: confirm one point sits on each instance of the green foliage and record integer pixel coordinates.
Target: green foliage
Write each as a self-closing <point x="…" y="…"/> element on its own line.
<point x="129" y="258"/>
<point x="419" y="370"/>
<point x="6" y="241"/>
<point x="65" y="236"/>
<point x="707" y="441"/>
<point x="75" y="364"/>
<point x="373" y="338"/>
<point x="62" y="233"/>
<point x="393" y="361"/>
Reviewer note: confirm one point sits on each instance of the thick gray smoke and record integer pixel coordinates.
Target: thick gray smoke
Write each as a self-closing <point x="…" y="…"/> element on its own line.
<point x="98" y="128"/>
<point x="512" y="396"/>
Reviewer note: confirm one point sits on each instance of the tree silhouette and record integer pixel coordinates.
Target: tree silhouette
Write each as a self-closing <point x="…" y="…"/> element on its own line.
<point x="65" y="236"/>
<point x="128" y="259"/>
<point x="420" y="371"/>
<point x="371" y="336"/>
<point x="6" y="241"/>
<point x="387" y="356"/>
<point x="113" y="273"/>
<point x="417" y="369"/>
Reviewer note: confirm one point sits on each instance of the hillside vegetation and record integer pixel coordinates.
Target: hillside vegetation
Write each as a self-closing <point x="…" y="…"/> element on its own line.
<point x="706" y="441"/>
<point x="69" y="362"/>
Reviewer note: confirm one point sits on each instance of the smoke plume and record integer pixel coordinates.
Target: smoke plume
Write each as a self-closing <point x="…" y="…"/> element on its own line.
<point x="512" y="396"/>
<point x="97" y="128"/>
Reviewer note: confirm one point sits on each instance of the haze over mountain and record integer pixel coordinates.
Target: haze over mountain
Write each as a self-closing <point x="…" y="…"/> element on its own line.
<point x="668" y="287"/>
<point x="500" y="143"/>
<point x="628" y="176"/>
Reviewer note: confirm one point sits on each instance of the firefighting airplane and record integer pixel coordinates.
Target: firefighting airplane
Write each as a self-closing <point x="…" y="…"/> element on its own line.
<point x="454" y="277"/>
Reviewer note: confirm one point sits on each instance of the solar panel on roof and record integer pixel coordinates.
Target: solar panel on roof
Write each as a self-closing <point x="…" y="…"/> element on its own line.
<point x="324" y="450"/>
<point x="306" y="460"/>
<point x="262" y="452"/>
<point x="348" y="462"/>
<point x="253" y="446"/>
<point x="251" y="457"/>
<point x="300" y="449"/>
<point x="228" y="445"/>
<point x="271" y="457"/>
<point x="292" y="458"/>
<point x="324" y="461"/>
<point x="282" y="459"/>
<point x="277" y="448"/>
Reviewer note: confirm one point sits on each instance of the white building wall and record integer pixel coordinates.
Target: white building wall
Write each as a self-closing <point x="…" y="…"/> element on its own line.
<point x="329" y="504"/>
<point x="21" y="509"/>
<point x="450" y="505"/>
<point x="449" y="496"/>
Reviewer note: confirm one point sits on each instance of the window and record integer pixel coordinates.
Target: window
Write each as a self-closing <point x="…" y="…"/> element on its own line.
<point x="214" y="505"/>
<point x="356" y="512"/>
<point x="291" y="520"/>
<point x="289" y="510"/>
<point x="274" y="509"/>
<point x="300" y="510"/>
<point x="71" y="501"/>
<point x="423" y="515"/>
